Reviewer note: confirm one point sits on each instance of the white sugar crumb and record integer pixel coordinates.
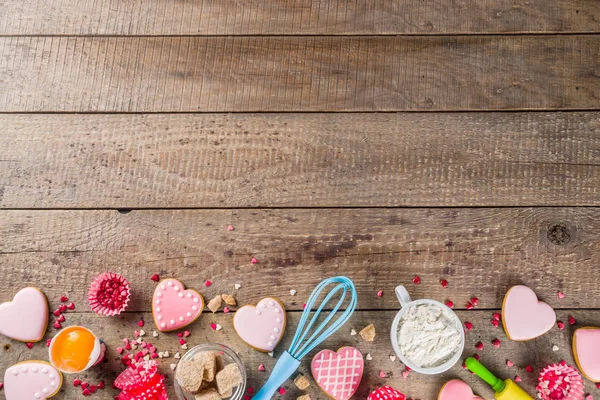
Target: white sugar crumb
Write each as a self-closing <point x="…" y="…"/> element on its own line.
<point x="369" y="357"/>
<point x="428" y="335"/>
<point x="353" y="332"/>
<point x="173" y="366"/>
<point x="293" y="292"/>
<point x="555" y="348"/>
<point x="237" y="286"/>
<point x="393" y="358"/>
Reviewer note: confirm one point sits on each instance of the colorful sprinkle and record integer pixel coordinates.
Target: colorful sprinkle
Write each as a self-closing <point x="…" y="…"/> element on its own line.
<point x="417" y="279"/>
<point x="444" y="283"/>
<point x="155" y="278"/>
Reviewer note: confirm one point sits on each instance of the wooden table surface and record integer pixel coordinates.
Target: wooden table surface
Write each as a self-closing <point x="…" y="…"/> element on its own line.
<point x="379" y="139"/>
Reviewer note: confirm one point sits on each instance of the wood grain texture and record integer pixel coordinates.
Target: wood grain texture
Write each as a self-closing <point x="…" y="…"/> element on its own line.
<point x="537" y="353"/>
<point x="299" y="160"/>
<point x="295" y="17"/>
<point x="481" y="252"/>
<point x="148" y="74"/>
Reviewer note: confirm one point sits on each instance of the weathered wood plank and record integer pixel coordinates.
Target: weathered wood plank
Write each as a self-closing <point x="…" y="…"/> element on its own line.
<point x="482" y="252"/>
<point x="148" y="74"/>
<point x="537" y="353"/>
<point x="296" y="160"/>
<point x="293" y="17"/>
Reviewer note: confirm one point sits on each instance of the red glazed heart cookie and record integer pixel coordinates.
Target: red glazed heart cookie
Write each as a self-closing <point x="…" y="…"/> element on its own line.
<point x="338" y="373"/>
<point x="173" y="307"/>
<point x="34" y="380"/>
<point x="261" y="326"/>
<point x="524" y="317"/>
<point x="586" y="348"/>
<point x="457" y="390"/>
<point x="386" y="393"/>
<point x="26" y="317"/>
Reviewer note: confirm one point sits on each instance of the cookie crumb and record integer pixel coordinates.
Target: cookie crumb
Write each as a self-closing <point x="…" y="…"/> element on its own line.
<point x="237" y="286"/>
<point x="353" y="332"/>
<point x="229" y="299"/>
<point x="302" y="382"/>
<point x="368" y="333"/>
<point x="369" y="357"/>
<point x="292" y="292"/>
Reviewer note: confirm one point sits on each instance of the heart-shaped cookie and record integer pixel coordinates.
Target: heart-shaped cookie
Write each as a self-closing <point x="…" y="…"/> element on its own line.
<point x="261" y="326"/>
<point x="524" y="317"/>
<point x="586" y="348"/>
<point x="31" y="380"/>
<point x="338" y="373"/>
<point x="174" y="307"/>
<point x="457" y="390"/>
<point x="25" y="318"/>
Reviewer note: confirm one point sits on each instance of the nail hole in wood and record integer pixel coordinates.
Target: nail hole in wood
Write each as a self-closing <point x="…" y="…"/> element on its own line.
<point x="7" y="347"/>
<point x="559" y="234"/>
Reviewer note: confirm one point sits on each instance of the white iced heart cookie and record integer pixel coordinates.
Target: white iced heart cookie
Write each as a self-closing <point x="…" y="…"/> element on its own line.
<point x="35" y="380"/>
<point x="25" y="318"/>
<point x="261" y="326"/>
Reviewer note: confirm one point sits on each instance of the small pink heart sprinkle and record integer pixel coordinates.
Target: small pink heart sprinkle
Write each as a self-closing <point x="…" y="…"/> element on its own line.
<point x="155" y="278"/>
<point x="449" y="304"/>
<point x="186" y="333"/>
<point x="444" y="283"/>
<point x="598" y="385"/>
<point x="247" y="397"/>
<point x="261" y="367"/>
<point x="207" y="283"/>
<point x="62" y="308"/>
<point x="476" y="356"/>
<point x="475" y="301"/>
<point x="182" y="342"/>
<point x="64" y="299"/>
<point x="382" y="374"/>
<point x="469" y="306"/>
<point x="560" y="324"/>
<point x="56" y="312"/>
<point x="518" y="379"/>
<point x="48" y="342"/>
<point x="254" y="260"/>
<point x="589" y="397"/>
<point x="29" y="345"/>
<point x="407" y="368"/>
<point x="61" y="318"/>
<point x="154" y="355"/>
<point x="468" y="325"/>
<point x="495" y="323"/>
<point x="101" y="385"/>
<point x="120" y="350"/>
<point x="144" y="345"/>
<point x="405" y="374"/>
<point x="497" y="316"/>
<point x="57" y="325"/>
<point x="417" y="279"/>
<point x="479" y="346"/>
<point x="213" y="326"/>
<point x="496" y="343"/>
<point x="180" y="334"/>
<point x="71" y="306"/>
<point x="282" y="390"/>
<point x="226" y="310"/>
<point x="529" y="368"/>
<point x="1" y="385"/>
<point x="230" y="228"/>
<point x="76" y="382"/>
<point x="136" y="333"/>
<point x="561" y="295"/>
<point x="509" y="363"/>
<point x="84" y="385"/>
<point x="380" y="293"/>
<point x="250" y="390"/>
<point x="141" y="323"/>
<point x="304" y="306"/>
<point x="572" y="320"/>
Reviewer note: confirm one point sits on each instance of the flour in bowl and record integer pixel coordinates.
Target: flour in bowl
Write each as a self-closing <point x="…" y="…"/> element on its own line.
<point x="428" y="335"/>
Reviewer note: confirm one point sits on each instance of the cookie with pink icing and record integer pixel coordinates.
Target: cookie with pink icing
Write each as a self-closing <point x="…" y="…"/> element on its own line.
<point x="261" y="326"/>
<point x="35" y="380"/>
<point x="25" y="318"/>
<point x="524" y="317"/>
<point x="586" y="349"/>
<point x="339" y="373"/>
<point x="174" y="307"/>
<point x="457" y="390"/>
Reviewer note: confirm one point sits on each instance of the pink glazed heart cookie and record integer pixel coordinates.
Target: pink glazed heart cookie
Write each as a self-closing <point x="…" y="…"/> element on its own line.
<point x="457" y="390"/>
<point x="173" y="307"/>
<point x="25" y="318"/>
<point x="261" y="326"/>
<point x="524" y="317"/>
<point x="33" y="380"/>
<point x="586" y="349"/>
<point x="339" y="373"/>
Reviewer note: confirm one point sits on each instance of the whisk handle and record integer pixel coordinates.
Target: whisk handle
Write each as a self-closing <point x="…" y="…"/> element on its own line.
<point x="285" y="367"/>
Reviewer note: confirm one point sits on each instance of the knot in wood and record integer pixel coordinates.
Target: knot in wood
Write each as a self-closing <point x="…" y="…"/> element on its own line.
<point x="559" y="234"/>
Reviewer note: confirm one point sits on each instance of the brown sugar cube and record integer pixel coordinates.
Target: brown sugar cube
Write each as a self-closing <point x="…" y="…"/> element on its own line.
<point x="189" y="375"/>
<point x="227" y="379"/>
<point x="301" y="382"/>
<point x="304" y="397"/>
<point x="208" y="363"/>
<point x="368" y="334"/>
<point x="219" y="362"/>
<point x="215" y="304"/>
<point x="229" y="299"/>
<point x="208" y="394"/>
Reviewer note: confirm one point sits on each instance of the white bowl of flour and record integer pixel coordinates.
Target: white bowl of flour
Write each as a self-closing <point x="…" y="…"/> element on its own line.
<point x="426" y="335"/>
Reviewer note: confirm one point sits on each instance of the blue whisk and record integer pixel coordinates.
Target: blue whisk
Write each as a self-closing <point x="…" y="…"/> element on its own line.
<point x="289" y="361"/>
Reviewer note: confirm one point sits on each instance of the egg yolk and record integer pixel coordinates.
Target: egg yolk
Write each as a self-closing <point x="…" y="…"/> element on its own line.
<point x="72" y="349"/>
